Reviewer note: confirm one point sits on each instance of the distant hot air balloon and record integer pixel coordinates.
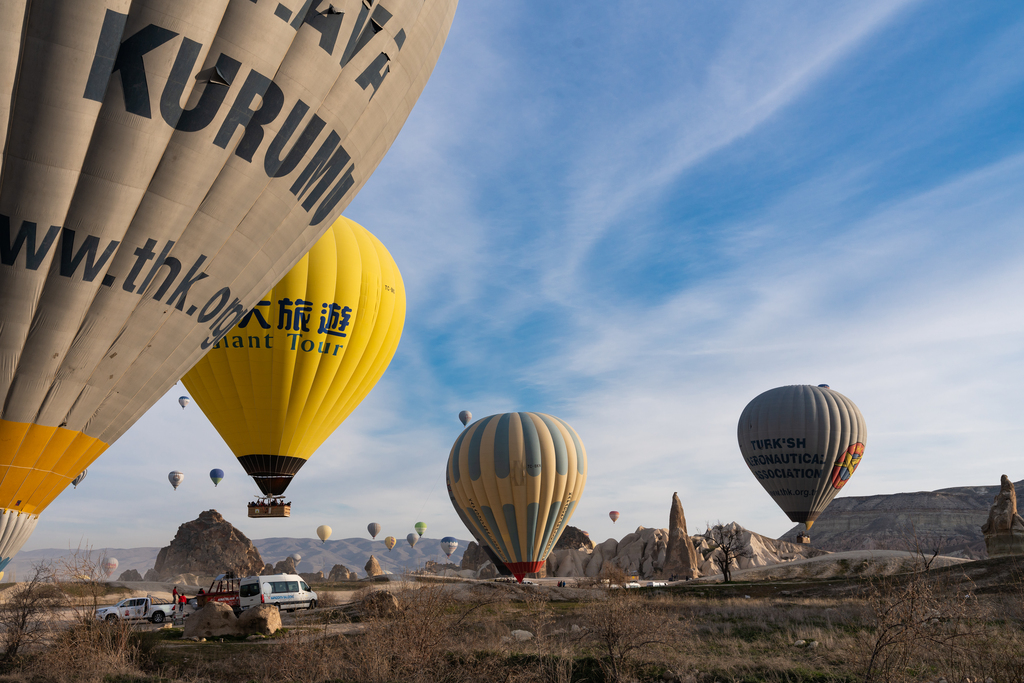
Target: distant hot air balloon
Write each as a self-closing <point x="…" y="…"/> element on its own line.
<point x="517" y="478"/>
<point x="183" y="401"/>
<point x="420" y="527"/>
<point x="297" y="557"/>
<point x="614" y="514"/>
<point x="217" y="476"/>
<point x="412" y="538"/>
<point x="373" y="528"/>
<point x="276" y="397"/>
<point x="449" y="544"/>
<point x="175" y="478"/>
<point x="171" y="161"/>
<point x="78" y="480"/>
<point x="109" y="566"/>
<point x="802" y="443"/>
<point x="465" y="416"/>
<point x="389" y="542"/>
<point x="323" y="532"/>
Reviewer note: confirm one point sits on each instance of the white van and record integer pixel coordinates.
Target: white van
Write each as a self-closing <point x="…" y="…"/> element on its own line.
<point x="287" y="591"/>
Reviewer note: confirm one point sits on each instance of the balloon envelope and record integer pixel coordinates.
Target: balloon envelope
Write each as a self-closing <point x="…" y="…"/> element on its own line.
<point x="412" y="538"/>
<point x="465" y="416"/>
<point x="175" y="478"/>
<point x="517" y="478"/>
<point x="183" y="401"/>
<point x="164" y="163"/>
<point x="109" y="566"/>
<point x="373" y="528"/>
<point x="281" y="382"/>
<point x="449" y="544"/>
<point x="323" y="532"/>
<point x="614" y="516"/>
<point x="389" y="542"/>
<point x="78" y="480"/>
<point x="803" y="443"/>
<point x="217" y="476"/>
<point x="420" y="527"/>
<point x="297" y="557"/>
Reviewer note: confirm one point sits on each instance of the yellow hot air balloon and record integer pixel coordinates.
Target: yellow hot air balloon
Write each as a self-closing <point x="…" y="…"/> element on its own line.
<point x="324" y="532"/>
<point x="389" y="542"/>
<point x="162" y="164"/>
<point x="293" y="369"/>
<point x="517" y="478"/>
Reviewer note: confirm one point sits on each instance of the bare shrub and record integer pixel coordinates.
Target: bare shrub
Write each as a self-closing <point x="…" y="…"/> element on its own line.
<point x="28" y="612"/>
<point x="620" y="627"/>
<point x="88" y="651"/>
<point x="614" y="575"/>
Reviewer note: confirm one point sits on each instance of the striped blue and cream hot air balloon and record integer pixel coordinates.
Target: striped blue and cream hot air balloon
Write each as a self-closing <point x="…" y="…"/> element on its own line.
<point x="517" y="478"/>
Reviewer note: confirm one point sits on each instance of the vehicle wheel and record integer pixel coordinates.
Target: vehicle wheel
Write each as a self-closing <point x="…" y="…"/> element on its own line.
<point x="158" y="618"/>
<point x="312" y="604"/>
<point x="111" y="617"/>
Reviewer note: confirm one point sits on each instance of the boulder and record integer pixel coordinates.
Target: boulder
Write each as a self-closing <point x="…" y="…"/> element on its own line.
<point x="340" y="572"/>
<point x="1004" y="529"/>
<point x="261" y="619"/>
<point x="215" y="619"/>
<point x="379" y="604"/>
<point x="285" y="566"/>
<point x="680" y="557"/>
<point x="130" y="575"/>
<point x="573" y="538"/>
<point x="208" y="545"/>
<point x="373" y="567"/>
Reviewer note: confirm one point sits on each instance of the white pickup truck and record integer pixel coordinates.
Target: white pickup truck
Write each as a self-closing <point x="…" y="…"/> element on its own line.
<point x="132" y="609"/>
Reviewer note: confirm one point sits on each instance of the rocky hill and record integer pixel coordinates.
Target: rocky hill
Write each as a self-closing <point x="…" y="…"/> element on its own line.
<point x="947" y="519"/>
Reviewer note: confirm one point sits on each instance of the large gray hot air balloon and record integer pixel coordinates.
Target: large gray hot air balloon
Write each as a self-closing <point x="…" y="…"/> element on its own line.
<point x="373" y="528"/>
<point x="803" y="443"/>
<point x="164" y="164"/>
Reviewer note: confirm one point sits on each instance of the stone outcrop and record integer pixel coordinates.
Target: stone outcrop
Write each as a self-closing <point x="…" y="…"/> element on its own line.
<point x="285" y="566"/>
<point x="340" y="572"/>
<point x="311" y="577"/>
<point x="151" y="575"/>
<point x="208" y="546"/>
<point x="1004" y="529"/>
<point x="373" y="567"/>
<point x="680" y="556"/>
<point x="480" y="560"/>
<point x="574" y="538"/>
<point x="215" y="619"/>
<point x="949" y="518"/>
<point x="130" y="575"/>
<point x="261" y="619"/>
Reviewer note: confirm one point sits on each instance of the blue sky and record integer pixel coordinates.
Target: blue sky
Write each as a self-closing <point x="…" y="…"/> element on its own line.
<point x="639" y="216"/>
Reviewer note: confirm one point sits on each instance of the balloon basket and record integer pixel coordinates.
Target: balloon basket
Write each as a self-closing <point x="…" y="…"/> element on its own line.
<point x="269" y="507"/>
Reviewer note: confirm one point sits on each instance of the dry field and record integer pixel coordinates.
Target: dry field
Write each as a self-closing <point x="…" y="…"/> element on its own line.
<point x="962" y="624"/>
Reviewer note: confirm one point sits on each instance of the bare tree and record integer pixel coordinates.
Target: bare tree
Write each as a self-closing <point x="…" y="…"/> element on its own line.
<point x="622" y="626"/>
<point x="727" y="546"/>
<point x="27" y="615"/>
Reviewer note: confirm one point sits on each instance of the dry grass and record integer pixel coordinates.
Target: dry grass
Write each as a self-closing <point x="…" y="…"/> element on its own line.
<point x="918" y="627"/>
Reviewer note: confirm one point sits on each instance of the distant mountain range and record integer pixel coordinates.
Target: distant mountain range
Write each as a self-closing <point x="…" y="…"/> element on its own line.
<point x="947" y="519"/>
<point x="316" y="556"/>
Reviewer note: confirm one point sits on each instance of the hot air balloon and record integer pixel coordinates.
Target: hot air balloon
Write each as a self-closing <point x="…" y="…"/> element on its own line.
<point x="217" y="476"/>
<point x="164" y="164"/>
<point x="449" y="545"/>
<point x="802" y="443"/>
<point x="389" y="542"/>
<point x="465" y="416"/>
<point x="373" y="528"/>
<point x="183" y="401"/>
<point x="412" y="538"/>
<point x="495" y="560"/>
<point x="614" y="514"/>
<point x="420" y="527"/>
<point x="323" y="532"/>
<point x="517" y="478"/>
<point x="175" y="478"/>
<point x="78" y="480"/>
<point x="297" y="557"/>
<point x="109" y="566"/>
<point x="280" y="383"/>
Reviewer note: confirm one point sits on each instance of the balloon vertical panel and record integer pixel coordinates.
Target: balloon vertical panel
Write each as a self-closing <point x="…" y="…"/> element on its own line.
<point x="164" y="164"/>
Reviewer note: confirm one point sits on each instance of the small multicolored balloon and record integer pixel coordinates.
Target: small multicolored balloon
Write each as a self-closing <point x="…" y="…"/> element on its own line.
<point x="175" y="478"/>
<point x="390" y="542"/>
<point x="217" y="476"/>
<point x="184" y="401"/>
<point x="420" y="527"/>
<point x="449" y="544"/>
<point x="614" y="514"/>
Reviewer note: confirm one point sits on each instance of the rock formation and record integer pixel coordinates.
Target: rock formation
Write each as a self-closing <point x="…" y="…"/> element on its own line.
<point x="373" y="567"/>
<point x="340" y="572"/>
<point x="312" y="577"/>
<point x="680" y="557"/>
<point x="478" y="560"/>
<point x="215" y="619"/>
<point x="285" y="566"/>
<point x="574" y="538"/>
<point x="262" y="619"/>
<point x="130" y="575"/>
<point x="208" y="546"/>
<point x="1004" y="529"/>
<point x="151" y="575"/>
<point x="753" y="550"/>
<point x="950" y="518"/>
